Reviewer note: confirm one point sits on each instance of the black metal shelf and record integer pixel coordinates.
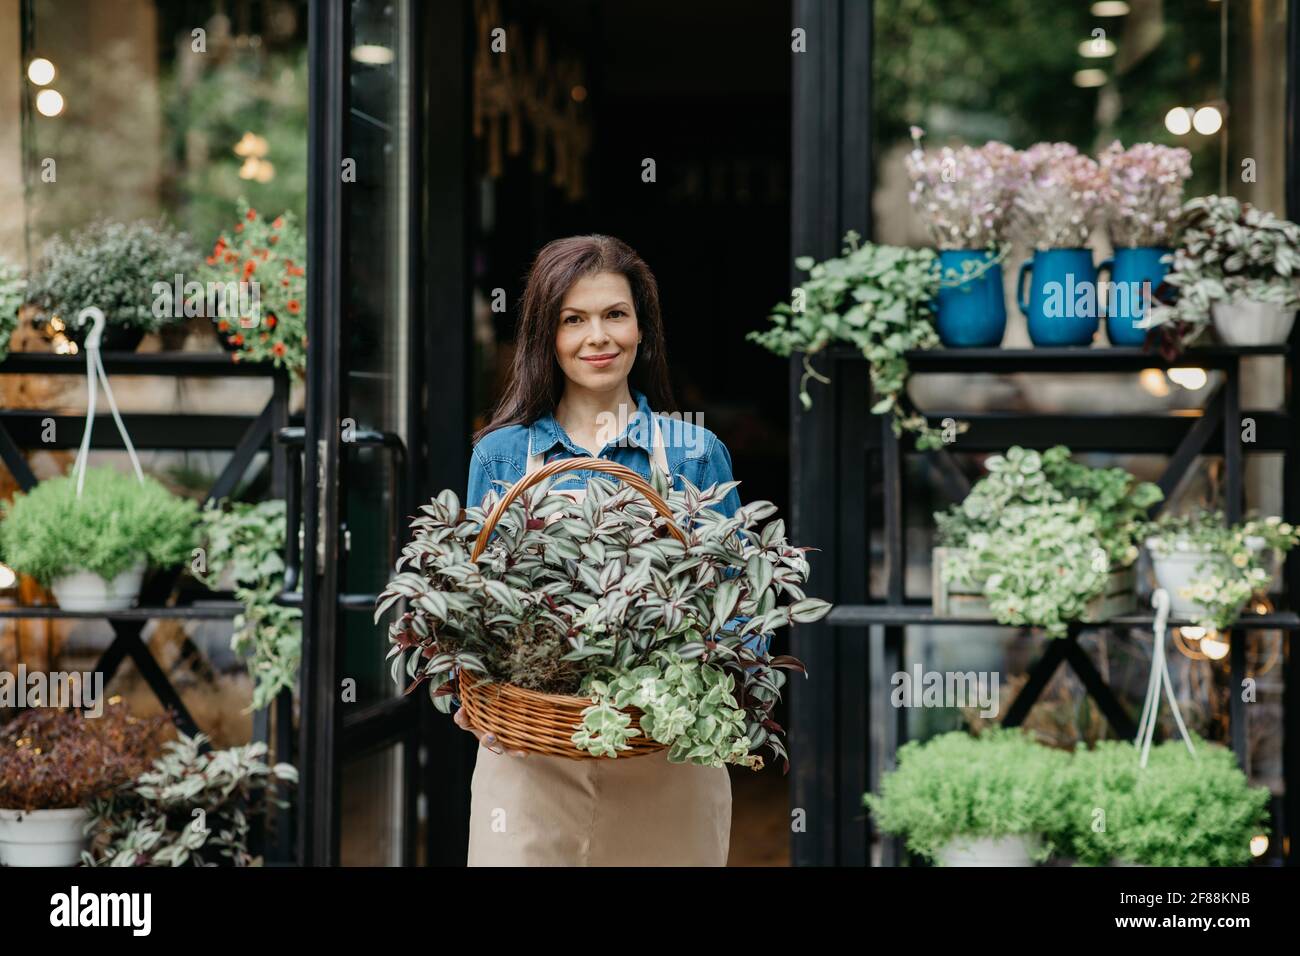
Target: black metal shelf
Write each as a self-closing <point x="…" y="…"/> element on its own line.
<point x="167" y="364"/>
<point x="865" y="615"/>
<point x="1076" y="359"/>
<point x="207" y="610"/>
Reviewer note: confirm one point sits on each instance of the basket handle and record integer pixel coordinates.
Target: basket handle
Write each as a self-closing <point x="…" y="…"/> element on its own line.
<point x="559" y="466"/>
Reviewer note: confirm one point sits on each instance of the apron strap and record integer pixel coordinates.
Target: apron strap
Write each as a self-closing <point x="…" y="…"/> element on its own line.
<point x="658" y="452"/>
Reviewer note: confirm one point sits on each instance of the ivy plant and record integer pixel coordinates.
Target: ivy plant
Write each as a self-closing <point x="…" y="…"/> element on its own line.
<point x="878" y="299"/>
<point x="1040" y="533"/>
<point x="597" y="600"/>
<point x="247" y="540"/>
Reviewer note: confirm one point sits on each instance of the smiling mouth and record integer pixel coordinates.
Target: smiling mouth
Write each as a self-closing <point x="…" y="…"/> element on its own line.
<point x="599" y="359"/>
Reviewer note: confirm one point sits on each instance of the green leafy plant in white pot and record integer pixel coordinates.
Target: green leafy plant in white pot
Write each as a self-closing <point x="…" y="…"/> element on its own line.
<point x="1041" y="540"/>
<point x="1211" y="569"/>
<point x="92" y="549"/>
<point x="54" y="763"/>
<point x="1238" y="268"/>
<point x="991" y="800"/>
<point x="1181" y="809"/>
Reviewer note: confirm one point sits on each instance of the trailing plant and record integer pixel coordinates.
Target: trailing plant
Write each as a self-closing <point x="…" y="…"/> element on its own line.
<point x="955" y="786"/>
<point x="117" y="522"/>
<point x="247" y="541"/>
<point x="13" y="294"/>
<point x="272" y="253"/>
<point x="1230" y="250"/>
<point x="879" y="299"/>
<point x="1236" y="559"/>
<point x="192" y="808"/>
<point x="1179" y="810"/>
<point x="1040" y="533"/>
<point x="1143" y="191"/>
<point x="56" y="758"/>
<point x="112" y="265"/>
<point x="612" y="608"/>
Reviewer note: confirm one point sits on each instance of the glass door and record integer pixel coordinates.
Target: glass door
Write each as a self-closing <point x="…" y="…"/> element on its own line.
<point x="359" y="734"/>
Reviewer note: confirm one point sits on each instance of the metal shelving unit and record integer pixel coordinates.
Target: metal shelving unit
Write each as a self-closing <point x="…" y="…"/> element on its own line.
<point x="243" y="435"/>
<point x="853" y="443"/>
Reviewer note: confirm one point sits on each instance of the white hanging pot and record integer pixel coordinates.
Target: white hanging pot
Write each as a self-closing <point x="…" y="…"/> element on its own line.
<point x="1176" y="568"/>
<point x="87" y="591"/>
<point x="988" y="851"/>
<point x="42" y="837"/>
<point x="1247" y="322"/>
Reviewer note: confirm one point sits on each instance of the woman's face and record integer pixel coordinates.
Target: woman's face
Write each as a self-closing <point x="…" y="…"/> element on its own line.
<point x="598" y="333"/>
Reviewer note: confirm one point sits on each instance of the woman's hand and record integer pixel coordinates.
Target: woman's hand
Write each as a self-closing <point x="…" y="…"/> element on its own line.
<point x="487" y="740"/>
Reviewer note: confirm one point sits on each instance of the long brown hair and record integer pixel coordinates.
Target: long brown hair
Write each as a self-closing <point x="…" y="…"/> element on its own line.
<point x="536" y="380"/>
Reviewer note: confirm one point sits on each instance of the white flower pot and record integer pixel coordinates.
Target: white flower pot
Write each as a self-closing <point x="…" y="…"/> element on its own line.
<point x="1177" y="567"/>
<point x="988" y="851"/>
<point x="42" y="837"/>
<point x="1246" y="322"/>
<point x="86" y="591"/>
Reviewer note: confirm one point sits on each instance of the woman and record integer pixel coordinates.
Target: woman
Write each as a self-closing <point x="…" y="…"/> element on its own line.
<point x="589" y="368"/>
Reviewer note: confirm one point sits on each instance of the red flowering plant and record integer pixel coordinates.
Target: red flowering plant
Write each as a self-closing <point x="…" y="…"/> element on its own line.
<point x="267" y="320"/>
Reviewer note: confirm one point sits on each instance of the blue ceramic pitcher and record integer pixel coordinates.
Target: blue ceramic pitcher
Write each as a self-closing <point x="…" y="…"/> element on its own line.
<point x="972" y="314"/>
<point x="1060" y="302"/>
<point x="1129" y="299"/>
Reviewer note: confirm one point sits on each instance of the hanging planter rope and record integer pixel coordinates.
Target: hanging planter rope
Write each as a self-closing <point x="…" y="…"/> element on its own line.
<point x="95" y="376"/>
<point x="1159" y="678"/>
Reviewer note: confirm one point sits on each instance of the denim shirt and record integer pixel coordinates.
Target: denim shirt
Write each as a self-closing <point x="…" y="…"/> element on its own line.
<point x="693" y="453"/>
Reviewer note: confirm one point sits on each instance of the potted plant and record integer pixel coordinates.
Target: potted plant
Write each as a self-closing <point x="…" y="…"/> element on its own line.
<point x="1041" y="540"/>
<point x="1144" y="195"/>
<point x="1055" y="212"/>
<point x="13" y="294"/>
<point x="1211" y="569"/>
<point x="878" y="299"/>
<point x="53" y="763"/>
<point x="963" y="197"/>
<point x="244" y="543"/>
<point x="115" y="266"/>
<point x="1182" y="809"/>
<point x="92" y="550"/>
<point x="273" y="254"/>
<point x="627" y="637"/>
<point x="192" y="808"/>
<point x="991" y="800"/>
<point x="1237" y="267"/>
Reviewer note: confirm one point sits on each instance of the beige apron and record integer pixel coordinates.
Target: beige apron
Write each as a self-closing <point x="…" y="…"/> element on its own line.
<point x="624" y="811"/>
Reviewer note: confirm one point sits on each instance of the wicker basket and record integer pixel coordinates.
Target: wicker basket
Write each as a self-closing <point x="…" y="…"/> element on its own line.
<point x="529" y="720"/>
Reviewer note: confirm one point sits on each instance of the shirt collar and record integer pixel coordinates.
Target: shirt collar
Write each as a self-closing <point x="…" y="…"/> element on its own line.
<point x="545" y="433"/>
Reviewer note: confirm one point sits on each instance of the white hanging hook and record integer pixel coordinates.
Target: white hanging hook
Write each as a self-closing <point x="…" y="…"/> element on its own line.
<point x="97" y="325"/>
<point x="95" y="376"/>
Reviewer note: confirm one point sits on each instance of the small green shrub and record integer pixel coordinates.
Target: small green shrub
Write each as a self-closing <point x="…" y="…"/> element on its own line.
<point x="13" y="293"/>
<point x="49" y="532"/>
<point x="112" y="265"/>
<point x="999" y="784"/>
<point x="1179" y="810"/>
